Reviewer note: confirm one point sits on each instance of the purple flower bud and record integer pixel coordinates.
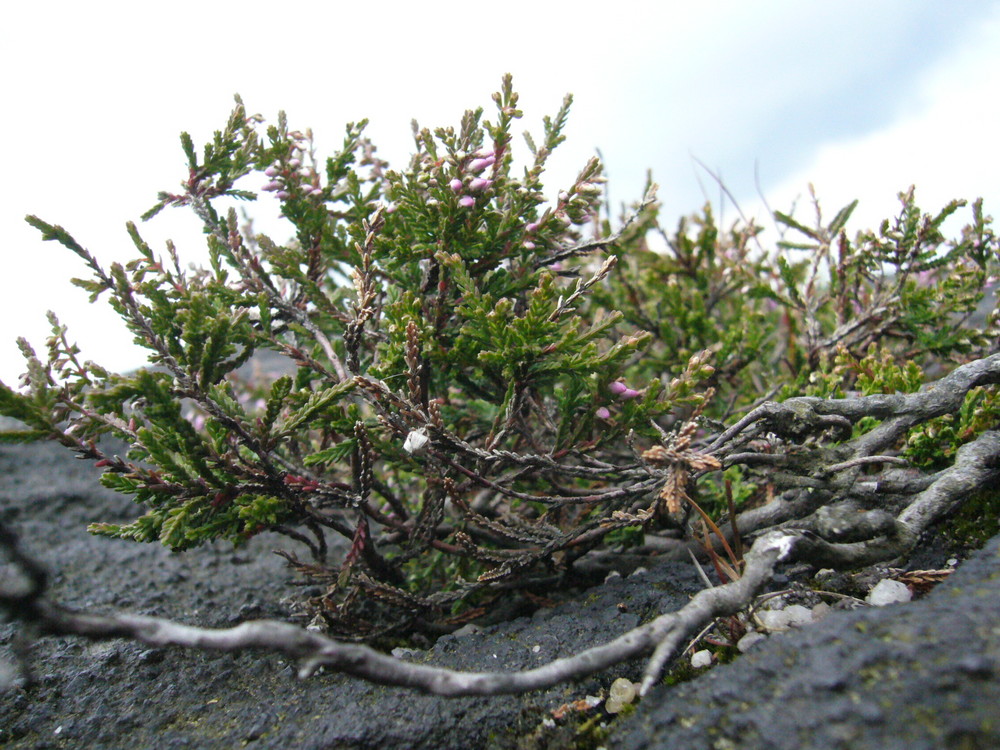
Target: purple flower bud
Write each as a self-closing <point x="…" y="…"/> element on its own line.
<point x="478" y="165"/>
<point x="271" y="171"/>
<point x="295" y="163"/>
<point x="531" y="227"/>
<point x="628" y="394"/>
<point x="282" y="195"/>
<point x="603" y="413"/>
<point x="480" y="183"/>
<point x="529" y="245"/>
<point x="618" y="388"/>
<point x="316" y="191"/>
<point x="456" y="185"/>
<point x="271" y="186"/>
<point x="467" y="201"/>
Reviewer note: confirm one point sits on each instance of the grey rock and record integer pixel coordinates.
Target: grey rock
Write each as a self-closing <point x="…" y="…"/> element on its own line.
<point x="131" y="696"/>
<point x="921" y="675"/>
<point x="924" y="674"/>
<point x="888" y="591"/>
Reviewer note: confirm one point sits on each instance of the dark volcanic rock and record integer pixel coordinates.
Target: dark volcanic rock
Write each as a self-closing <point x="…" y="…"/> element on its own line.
<point x="118" y="694"/>
<point x="917" y="675"/>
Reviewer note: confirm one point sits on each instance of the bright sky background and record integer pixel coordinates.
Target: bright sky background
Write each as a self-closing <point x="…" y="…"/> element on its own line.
<point x="859" y="97"/>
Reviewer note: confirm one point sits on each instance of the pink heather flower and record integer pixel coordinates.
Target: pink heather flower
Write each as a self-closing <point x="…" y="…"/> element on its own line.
<point x="478" y="165"/>
<point x="295" y="163"/>
<point x="618" y="388"/>
<point x="271" y="171"/>
<point x="467" y="201"/>
<point x="316" y="191"/>
<point x="628" y="394"/>
<point x="282" y="194"/>
<point x="529" y="245"/>
<point x="480" y="183"/>
<point x="271" y="186"/>
<point x="531" y="227"/>
<point x="603" y="413"/>
<point x="456" y="185"/>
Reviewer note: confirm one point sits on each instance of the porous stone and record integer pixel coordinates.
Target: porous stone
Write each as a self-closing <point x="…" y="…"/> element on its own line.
<point x="701" y="658"/>
<point x="922" y="676"/>
<point x="888" y="591"/>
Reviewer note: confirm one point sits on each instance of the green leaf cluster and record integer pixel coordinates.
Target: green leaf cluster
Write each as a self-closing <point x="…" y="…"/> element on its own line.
<point x="463" y="373"/>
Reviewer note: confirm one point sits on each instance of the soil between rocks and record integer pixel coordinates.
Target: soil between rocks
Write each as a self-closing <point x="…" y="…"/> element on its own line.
<point x="923" y="674"/>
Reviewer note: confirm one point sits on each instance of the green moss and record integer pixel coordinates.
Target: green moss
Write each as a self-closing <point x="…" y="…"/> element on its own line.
<point x="976" y="521"/>
<point x="682" y="671"/>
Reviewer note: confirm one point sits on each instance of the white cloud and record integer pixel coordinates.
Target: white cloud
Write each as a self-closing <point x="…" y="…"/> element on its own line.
<point x="946" y="146"/>
<point x="96" y="93"/>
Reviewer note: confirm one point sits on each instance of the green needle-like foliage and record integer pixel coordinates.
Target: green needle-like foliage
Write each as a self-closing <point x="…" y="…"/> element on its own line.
<point x="471" y="372"/>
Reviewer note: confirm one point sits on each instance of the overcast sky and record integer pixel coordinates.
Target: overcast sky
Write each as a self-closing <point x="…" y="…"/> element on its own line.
<point x="859" y="97"/>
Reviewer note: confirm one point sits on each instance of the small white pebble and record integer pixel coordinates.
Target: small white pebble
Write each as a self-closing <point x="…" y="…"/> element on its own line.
<point x="798" y="615"/>
<point x="820" y="611"/>
<point x="622" y="690"/>
<point x="638" y="572"/>
<point x="888" y="591"/>
<point x="773" y="619"/>
<point x="536" y="648"/>
<point x="701" y="658"/>
<point x="748" y="641"/>
<point x="613" y="574"/>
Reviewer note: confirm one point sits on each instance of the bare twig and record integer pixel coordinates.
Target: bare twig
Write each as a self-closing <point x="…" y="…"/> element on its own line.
<point x="314" y="650"/>
<point x="599" y="244"/>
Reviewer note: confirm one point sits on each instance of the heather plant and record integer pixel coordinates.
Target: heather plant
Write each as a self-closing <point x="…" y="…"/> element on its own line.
<point x="482" y="386"/>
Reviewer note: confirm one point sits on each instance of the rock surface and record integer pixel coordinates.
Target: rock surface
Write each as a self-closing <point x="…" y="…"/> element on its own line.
<point x="920" y="675"/>
<point x="923" y="674"/>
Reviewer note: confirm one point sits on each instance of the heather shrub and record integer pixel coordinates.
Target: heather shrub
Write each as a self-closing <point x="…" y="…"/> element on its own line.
<point x="481" y="386"/>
